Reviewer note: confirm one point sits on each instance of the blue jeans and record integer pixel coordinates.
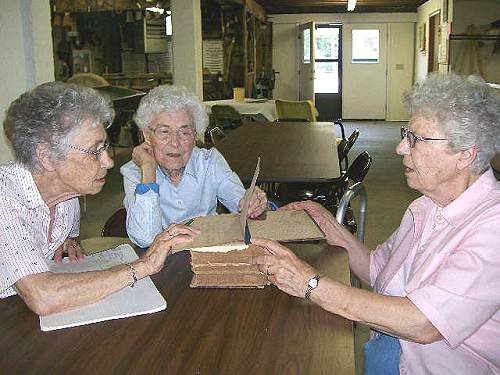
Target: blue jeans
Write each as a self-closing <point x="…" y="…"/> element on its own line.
<point x="382" y="354"/>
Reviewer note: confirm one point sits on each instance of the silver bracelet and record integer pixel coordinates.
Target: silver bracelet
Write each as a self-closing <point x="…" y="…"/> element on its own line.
<point x="133" y="274"/>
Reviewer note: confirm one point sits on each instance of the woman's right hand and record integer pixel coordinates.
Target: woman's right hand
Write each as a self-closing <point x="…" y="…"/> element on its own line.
<point x="154" y="258"/>
<point x="143" y="156"/>
<point x="335" y="233"/>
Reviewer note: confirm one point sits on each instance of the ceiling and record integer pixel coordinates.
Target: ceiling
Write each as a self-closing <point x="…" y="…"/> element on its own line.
<point x="338" y="6"/>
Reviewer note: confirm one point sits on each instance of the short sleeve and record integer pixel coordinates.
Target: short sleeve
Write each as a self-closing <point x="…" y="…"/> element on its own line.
<point x="21" y="250"/>
<point x="463" y="294"/>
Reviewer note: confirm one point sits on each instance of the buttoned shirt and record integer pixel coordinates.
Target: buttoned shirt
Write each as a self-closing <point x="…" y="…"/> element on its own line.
<point x="452" y="277"/>
<point x="25" y="245"/>
<point x="206" y="179"/>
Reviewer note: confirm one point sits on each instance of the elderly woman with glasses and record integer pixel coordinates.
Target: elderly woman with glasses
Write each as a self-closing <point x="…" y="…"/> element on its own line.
<point x="435" y="305"/>
<point x="57" y="132"/>
<point x="169" y="179"/>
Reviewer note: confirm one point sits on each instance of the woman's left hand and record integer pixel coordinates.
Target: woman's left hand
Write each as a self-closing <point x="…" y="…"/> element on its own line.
<point x="258" y="203"/>
<point x="283" y="268"/>
<point x="72" y="249"/>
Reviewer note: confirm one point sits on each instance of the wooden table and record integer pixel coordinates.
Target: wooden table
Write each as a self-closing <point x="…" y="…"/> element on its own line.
<point x="202" y="331"/>
<point x="289" y="152"/>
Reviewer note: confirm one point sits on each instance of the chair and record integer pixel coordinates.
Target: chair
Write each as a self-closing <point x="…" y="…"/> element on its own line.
<point x="226" y="117"/>
<point x="288" y="110"/>
<point x="116" y="225"/>
<point x="350" y="142"/>
<point x="216" y="134"/>
<point x="329" y="194"/>
<point x="317" y="192"/>
<point x="342" y="130"/>
<point x="356" y="172"/>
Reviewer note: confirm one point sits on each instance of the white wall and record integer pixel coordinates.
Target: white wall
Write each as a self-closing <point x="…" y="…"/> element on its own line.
<point x="187" y="45"/>
<point x="26" y="59"/>
<point x="421" y="57"/>
<point x="400" y="65"/>
<point x="477" y="12"/>
<point x="284" y="54"/>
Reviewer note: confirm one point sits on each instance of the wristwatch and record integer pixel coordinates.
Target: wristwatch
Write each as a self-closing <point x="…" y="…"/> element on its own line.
<point x="311" y="285"/>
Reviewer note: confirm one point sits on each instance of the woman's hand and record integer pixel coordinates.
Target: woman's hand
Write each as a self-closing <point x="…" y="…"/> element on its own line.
<point x="143" y="156"/>
<point x="72" y="249"/>
<point x="283" y="268"/>
<point x="335" y="233"/>
<point x="258" y="202"/>
<point x="154" y="257"/>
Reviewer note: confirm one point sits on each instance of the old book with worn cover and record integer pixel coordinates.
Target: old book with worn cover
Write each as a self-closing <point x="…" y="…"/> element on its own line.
<point x="227" y="270"/>
<point x="222" y="233"/>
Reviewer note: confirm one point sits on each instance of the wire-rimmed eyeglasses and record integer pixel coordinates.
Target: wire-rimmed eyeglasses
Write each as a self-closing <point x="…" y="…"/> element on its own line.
<point x="97" y="153"/>
<point x="165" y="133"/>
<point x="412" y="138"/>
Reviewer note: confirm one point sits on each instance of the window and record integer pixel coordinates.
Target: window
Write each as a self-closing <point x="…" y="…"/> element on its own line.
<point x="365" y="46"/>
<point x="326" y="69"/>
<point x="306" y="37"/>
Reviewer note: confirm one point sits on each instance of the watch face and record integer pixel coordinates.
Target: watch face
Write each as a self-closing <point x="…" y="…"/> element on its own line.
<point x="313" y="283"/>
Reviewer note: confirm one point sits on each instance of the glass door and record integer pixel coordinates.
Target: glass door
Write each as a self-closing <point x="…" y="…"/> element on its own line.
<point x="328" y="72"/>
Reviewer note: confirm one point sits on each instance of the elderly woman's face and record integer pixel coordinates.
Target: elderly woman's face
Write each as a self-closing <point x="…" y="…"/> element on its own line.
<point x="430" y="166"/>
<point x="82" y="171"/>
<point x="172" y="136"/>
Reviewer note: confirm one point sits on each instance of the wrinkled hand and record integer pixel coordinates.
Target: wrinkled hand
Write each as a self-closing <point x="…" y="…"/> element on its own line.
<point x="258" y="202"/>
<point x="72" y="249"/>
<point x="143" y="156"/>
<point x="154" y="257"/>
<point x="283" y="268"/>
<point x="335" y="233"/>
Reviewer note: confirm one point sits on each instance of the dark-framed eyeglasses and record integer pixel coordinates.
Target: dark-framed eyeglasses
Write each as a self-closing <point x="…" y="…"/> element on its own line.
<point x="412" y="138"/>
<point x="166" y="134"/>
<point x="97" y="153"/>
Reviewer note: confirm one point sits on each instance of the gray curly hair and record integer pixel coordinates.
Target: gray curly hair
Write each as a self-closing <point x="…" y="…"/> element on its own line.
<point x="465" y="109"/>
<point x="168" y="98"/>
<point x="48" y="114"/>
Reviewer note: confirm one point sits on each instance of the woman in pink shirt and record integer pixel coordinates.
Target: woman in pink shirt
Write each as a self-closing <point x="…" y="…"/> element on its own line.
<point x="436" y="280"/>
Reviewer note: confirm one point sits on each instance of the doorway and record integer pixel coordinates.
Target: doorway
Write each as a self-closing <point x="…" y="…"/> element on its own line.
<point x="434" y="38"/>
<point x="328" y="72"/>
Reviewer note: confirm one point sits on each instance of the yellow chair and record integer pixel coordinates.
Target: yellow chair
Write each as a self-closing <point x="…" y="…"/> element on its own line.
<point x="295" y="110"/>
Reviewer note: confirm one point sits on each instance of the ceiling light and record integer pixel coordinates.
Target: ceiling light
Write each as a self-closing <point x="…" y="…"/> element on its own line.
<point x="350" y="5"/>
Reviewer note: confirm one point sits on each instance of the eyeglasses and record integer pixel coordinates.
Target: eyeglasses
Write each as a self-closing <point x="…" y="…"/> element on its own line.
<point x="166" y="134"/>
<point x="97" y="153"/>
<point x="412" y="138"/>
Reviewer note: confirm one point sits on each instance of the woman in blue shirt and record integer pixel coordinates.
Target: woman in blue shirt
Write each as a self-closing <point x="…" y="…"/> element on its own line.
<point x="169" y="179"/>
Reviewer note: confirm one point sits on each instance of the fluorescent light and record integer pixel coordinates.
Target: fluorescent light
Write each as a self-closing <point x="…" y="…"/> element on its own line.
<point x="155" y="9"/>
<point x="350" y="5"/>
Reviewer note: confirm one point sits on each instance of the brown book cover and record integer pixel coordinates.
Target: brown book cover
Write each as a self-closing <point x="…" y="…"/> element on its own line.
<point x="227" y="270"/>
<point x="222" y="233"/>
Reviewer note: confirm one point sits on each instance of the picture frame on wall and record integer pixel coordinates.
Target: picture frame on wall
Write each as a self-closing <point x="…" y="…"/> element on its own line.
<point x="422" y="37"/>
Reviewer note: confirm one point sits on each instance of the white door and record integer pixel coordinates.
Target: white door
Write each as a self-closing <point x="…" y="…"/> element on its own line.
<point x="306" y="61"/>
<point x="285" y="38"/>
<point x="364" y="85"/>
